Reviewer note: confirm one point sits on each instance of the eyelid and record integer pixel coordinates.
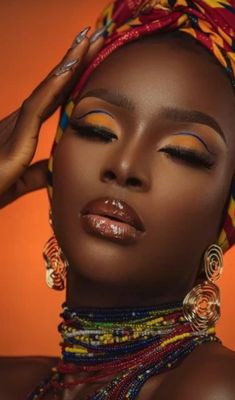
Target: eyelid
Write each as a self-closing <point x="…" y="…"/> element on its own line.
<point x="190" y="155"/>
<point x="96" y="111"/>
<point x="196" y="136"/>
<point x="73" y="122"/>
<point x="108" y="130"/>
<point x="186" y="149"/>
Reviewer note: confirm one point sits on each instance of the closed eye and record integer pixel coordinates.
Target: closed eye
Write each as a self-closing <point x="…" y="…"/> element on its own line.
<point x="93" y="132"/>
<point x="189" y="156"/>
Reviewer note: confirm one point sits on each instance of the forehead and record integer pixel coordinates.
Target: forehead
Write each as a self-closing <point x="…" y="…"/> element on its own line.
<point x="168" y="73"/>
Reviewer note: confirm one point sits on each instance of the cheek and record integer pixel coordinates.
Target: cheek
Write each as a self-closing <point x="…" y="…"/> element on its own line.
<point x="184" y="204"/>
<point x="74" y="183"/>
<point x="73" y="169"/>
<point x="188" y="202"/>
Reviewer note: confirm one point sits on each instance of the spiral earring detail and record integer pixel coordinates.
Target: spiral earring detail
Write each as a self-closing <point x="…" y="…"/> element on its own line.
<point x="55" y="262"/>
<point x="201" y="306"/>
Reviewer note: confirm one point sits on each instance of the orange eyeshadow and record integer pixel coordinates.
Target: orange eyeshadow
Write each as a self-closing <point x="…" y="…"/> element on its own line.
<point x="187" y="141"/>
<point x="100" y="119"/>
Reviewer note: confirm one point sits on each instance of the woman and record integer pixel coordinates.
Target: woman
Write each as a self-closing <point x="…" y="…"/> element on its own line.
<point x="149" y="124"/>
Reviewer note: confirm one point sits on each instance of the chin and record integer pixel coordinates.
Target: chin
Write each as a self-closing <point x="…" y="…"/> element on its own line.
<point x="99" y="260"/>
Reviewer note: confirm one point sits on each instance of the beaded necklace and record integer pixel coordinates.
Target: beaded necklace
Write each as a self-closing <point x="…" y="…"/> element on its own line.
<point x="132" y="344"/>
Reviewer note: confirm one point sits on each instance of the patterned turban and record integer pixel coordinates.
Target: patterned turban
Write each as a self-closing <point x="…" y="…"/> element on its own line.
<point x="211" y="22"/>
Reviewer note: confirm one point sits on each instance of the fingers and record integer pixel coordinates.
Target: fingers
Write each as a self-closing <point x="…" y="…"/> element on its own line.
<point x="20" y="145"/>
<point x="8" y="119"/>
<point x="51" y="93"/>
<point x="34" y="178"/>
<point x="93" y="49"/>
<point x="7" y="125"/>
<point x="65" y="74"/>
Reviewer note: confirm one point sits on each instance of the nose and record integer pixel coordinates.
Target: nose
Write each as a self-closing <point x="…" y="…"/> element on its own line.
<point x="127" y="167"/>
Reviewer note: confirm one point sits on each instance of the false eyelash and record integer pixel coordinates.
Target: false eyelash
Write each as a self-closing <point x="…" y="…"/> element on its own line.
<point x="92" y="131"/>
<point x="189" y="155"/>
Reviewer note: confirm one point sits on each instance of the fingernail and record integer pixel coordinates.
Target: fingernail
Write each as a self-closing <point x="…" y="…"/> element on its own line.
<point x="79" y="38"/>
<point x="65" y="67"/>
<point x="97" y="34"/>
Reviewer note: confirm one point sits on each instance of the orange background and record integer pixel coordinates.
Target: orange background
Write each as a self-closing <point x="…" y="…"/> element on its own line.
<point x="33" y="37"/>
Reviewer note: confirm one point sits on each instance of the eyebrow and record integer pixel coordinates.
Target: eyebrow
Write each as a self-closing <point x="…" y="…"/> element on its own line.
<point x="170" y="113"/>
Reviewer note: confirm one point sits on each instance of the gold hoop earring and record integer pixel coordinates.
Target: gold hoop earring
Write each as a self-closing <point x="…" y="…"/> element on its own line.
<point x="201" y="306"/>
<point x="56" y="263"/>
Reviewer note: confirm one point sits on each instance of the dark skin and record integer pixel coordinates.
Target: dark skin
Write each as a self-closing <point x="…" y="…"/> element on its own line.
<point x="168" y="261"/>
<point x="164" y="264"/>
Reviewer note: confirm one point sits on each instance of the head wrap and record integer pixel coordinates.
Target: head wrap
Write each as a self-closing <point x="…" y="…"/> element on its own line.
<point x="211" y="22"/>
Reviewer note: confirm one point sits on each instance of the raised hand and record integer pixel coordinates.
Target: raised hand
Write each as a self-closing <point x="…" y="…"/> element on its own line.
<point x="19" y="131"/>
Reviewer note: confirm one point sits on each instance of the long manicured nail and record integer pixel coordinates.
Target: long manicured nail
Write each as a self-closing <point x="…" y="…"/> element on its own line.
<point x="97" y="34"/>
<point x="79" y="38"/>
<point x="65" y="67"/>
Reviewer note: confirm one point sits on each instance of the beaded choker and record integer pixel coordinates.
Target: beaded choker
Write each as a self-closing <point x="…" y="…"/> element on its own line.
<point x="130" y="345"/>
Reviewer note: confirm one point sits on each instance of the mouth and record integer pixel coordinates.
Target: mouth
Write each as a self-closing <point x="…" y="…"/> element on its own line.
<point x="112" y="219"/>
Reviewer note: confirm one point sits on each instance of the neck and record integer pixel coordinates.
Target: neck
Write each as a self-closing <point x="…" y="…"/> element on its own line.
<point x="114" y="351"/>
<point x="81" y="292"/>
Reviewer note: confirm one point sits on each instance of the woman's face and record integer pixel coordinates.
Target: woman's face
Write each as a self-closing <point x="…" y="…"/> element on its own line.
<point x="150" y="96"/>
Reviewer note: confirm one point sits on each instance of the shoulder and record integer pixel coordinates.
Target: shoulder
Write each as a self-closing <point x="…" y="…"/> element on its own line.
<point x="20" y="375"/>
<point x="209" y="373"/>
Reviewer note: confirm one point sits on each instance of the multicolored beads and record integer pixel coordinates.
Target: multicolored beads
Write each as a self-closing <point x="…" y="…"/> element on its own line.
<point x="126" y="345"/>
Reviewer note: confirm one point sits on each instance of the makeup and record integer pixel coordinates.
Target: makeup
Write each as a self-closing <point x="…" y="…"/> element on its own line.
<point x="196" y="136"/>
<point x="79" y="38"/>
<point x="97" y="34"/>
<point x="96" y="111"/>
<point x="113" y="219"/>
<point x="61" y="69"/>
<point x="188" y="147"/>
<point x="108" y="228"/>
<point x="99" y="117"/>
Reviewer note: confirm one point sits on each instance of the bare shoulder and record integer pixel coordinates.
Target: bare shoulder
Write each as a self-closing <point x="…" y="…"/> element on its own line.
<point x="207" y="373"/>
<point x="21" y="374"/>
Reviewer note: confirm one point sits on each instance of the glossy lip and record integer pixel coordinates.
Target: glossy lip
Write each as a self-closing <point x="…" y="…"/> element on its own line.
<point x="110" y="229"/>
<point x="115" y="209"/>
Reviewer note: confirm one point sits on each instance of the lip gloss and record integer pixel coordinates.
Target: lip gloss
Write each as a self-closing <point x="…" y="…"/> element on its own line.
<point x="111" y="229"/>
